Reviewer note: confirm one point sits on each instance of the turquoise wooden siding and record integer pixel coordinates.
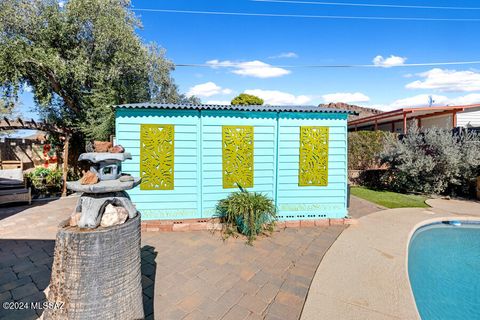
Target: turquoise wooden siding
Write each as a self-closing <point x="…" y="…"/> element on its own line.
<point x="198" y="162"/>
<point x="264" y="160"/>
<point x="311" y="202"/>
<point x="183" y="202"/>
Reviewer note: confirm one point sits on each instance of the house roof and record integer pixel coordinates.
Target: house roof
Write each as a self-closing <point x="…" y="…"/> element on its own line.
<point x="397" y="115"/>
<point x="263" y="108"/>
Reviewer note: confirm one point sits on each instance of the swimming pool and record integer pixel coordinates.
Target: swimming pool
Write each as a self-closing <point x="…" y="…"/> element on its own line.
<point x="444" y="271"/>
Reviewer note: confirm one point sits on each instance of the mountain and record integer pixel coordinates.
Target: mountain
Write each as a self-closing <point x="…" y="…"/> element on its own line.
<point x="362" y="111"/>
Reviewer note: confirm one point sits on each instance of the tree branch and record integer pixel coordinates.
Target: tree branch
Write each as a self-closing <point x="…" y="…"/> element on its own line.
<point x="56" y="86"/>
<point x="58" y="89"/>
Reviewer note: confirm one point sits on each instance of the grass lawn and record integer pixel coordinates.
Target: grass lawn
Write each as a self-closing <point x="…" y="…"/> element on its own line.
<point x="390" y="199"/>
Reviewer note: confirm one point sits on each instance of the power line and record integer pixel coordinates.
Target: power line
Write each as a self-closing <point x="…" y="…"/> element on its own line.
<point x="240" y="65"/>
<point x="366" y="5"/>
<point x="304" y="15"/>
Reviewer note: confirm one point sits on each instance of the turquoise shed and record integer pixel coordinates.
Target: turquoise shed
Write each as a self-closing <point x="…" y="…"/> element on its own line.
<point x="192" y="156"/>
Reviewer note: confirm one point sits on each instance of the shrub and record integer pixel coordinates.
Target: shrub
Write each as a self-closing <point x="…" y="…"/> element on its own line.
<point x="249" y="213"/>
<point x="43" y="179"/>
<point x="433" y="161"/>
<point x="364" y="148"/>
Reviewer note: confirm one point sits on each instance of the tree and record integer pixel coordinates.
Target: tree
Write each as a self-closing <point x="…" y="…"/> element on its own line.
<point x="80" y="58"/>
<point x="247" y="99"/>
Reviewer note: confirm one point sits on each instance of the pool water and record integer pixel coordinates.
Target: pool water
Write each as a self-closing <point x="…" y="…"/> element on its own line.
<point x="444" y="271"/>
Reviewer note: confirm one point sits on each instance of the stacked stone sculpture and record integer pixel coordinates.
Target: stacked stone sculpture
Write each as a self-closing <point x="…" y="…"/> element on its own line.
<point x="109" y="190"/>
<point x="96" y="269"/>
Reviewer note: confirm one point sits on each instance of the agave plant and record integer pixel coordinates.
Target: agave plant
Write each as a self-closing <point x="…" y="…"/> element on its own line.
<point x="249" y="213"/>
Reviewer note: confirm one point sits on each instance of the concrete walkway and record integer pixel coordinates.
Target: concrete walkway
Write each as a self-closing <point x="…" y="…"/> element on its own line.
<point x="190" y="275"/>
<point x="364" y="274"/>
<point x="454" y="206"/>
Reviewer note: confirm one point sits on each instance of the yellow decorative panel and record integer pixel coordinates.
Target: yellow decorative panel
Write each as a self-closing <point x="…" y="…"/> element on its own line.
<point x="237" y="153"/>
<point x="313" y="166"/>
<point x="156" y="156"/>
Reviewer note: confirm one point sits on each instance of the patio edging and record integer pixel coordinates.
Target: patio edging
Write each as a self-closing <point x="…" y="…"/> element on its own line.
<point x="214" y="224"/>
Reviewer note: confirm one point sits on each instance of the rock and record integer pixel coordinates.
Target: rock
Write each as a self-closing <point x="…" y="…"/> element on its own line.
<point x="113" y="216"/>
<point x="89" y="178"/>
<point x="74" y="218"/>
<point x="102" y="146"/>
<point x="126" y="178"/>
<point x="117" y="149"/>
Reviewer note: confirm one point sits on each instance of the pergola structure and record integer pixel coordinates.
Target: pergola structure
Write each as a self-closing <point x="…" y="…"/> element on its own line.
<point x="21" y="124"/>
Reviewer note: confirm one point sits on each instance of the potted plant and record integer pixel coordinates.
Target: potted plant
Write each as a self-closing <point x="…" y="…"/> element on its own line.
<point x="248" y="213"/>
<point x="44" y="179"/>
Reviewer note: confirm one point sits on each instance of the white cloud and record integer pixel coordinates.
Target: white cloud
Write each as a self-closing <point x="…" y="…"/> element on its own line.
<point x="472" y="98"/>
<point x="447" y="80"/>
<point x="391" y="61"/>
<point x="285" y="55"/>
<point x="27" y="88"/>
<point x="422" y="100"/>
<point x="255" y="68"/>
<point x="346" y="97"/>
<point x="275" y="97"/>
<point x="221" y="102"/>
<point x="207" y="89"/>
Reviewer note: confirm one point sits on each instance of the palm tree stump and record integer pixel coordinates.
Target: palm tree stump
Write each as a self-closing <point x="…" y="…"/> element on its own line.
<point x="96" y="273"/>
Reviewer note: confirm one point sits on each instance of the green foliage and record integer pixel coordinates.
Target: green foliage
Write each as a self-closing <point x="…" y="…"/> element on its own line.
<point x="433" y="161"/>
<point x="390" y="199"/>
<point x="247" y="99"/>
<point x="43" y="179"/>
<point x="6" y="108"/>
<point x="80" y="59"/>
<point x="364" y="148"/>
<point x="249" y="213"/>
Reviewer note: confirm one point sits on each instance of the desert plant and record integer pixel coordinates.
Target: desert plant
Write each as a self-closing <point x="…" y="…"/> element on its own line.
<point x="249" y="213"/>
<point x="433" y="161"/>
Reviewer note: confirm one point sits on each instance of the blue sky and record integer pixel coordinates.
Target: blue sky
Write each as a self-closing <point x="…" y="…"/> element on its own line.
<point x="256" y="44"/>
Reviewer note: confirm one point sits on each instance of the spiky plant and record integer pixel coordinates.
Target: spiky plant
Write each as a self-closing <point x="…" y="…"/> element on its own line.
<point x="249" y="213"/>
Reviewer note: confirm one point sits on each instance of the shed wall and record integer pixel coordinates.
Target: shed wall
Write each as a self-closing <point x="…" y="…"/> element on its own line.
<point x="264" y="124"/>
<point x="183" y="202"/>
<point x="311" y="202"/>
<point x="198" y="162"/>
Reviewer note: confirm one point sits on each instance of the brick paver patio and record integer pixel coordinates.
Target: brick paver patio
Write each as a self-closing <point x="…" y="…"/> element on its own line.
<point x="191" y="275"/>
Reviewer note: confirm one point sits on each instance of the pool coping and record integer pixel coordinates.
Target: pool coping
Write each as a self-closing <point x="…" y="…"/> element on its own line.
<point x="388" y="297"/>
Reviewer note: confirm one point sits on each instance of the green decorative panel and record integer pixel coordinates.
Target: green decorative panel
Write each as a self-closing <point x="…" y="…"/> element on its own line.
<point x="156" y="156"/>
<point x="313" y="166"/>
<point x="237" y="153"/>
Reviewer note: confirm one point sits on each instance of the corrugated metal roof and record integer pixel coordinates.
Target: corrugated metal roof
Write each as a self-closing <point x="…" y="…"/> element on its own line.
<point x="264" y="108"/>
